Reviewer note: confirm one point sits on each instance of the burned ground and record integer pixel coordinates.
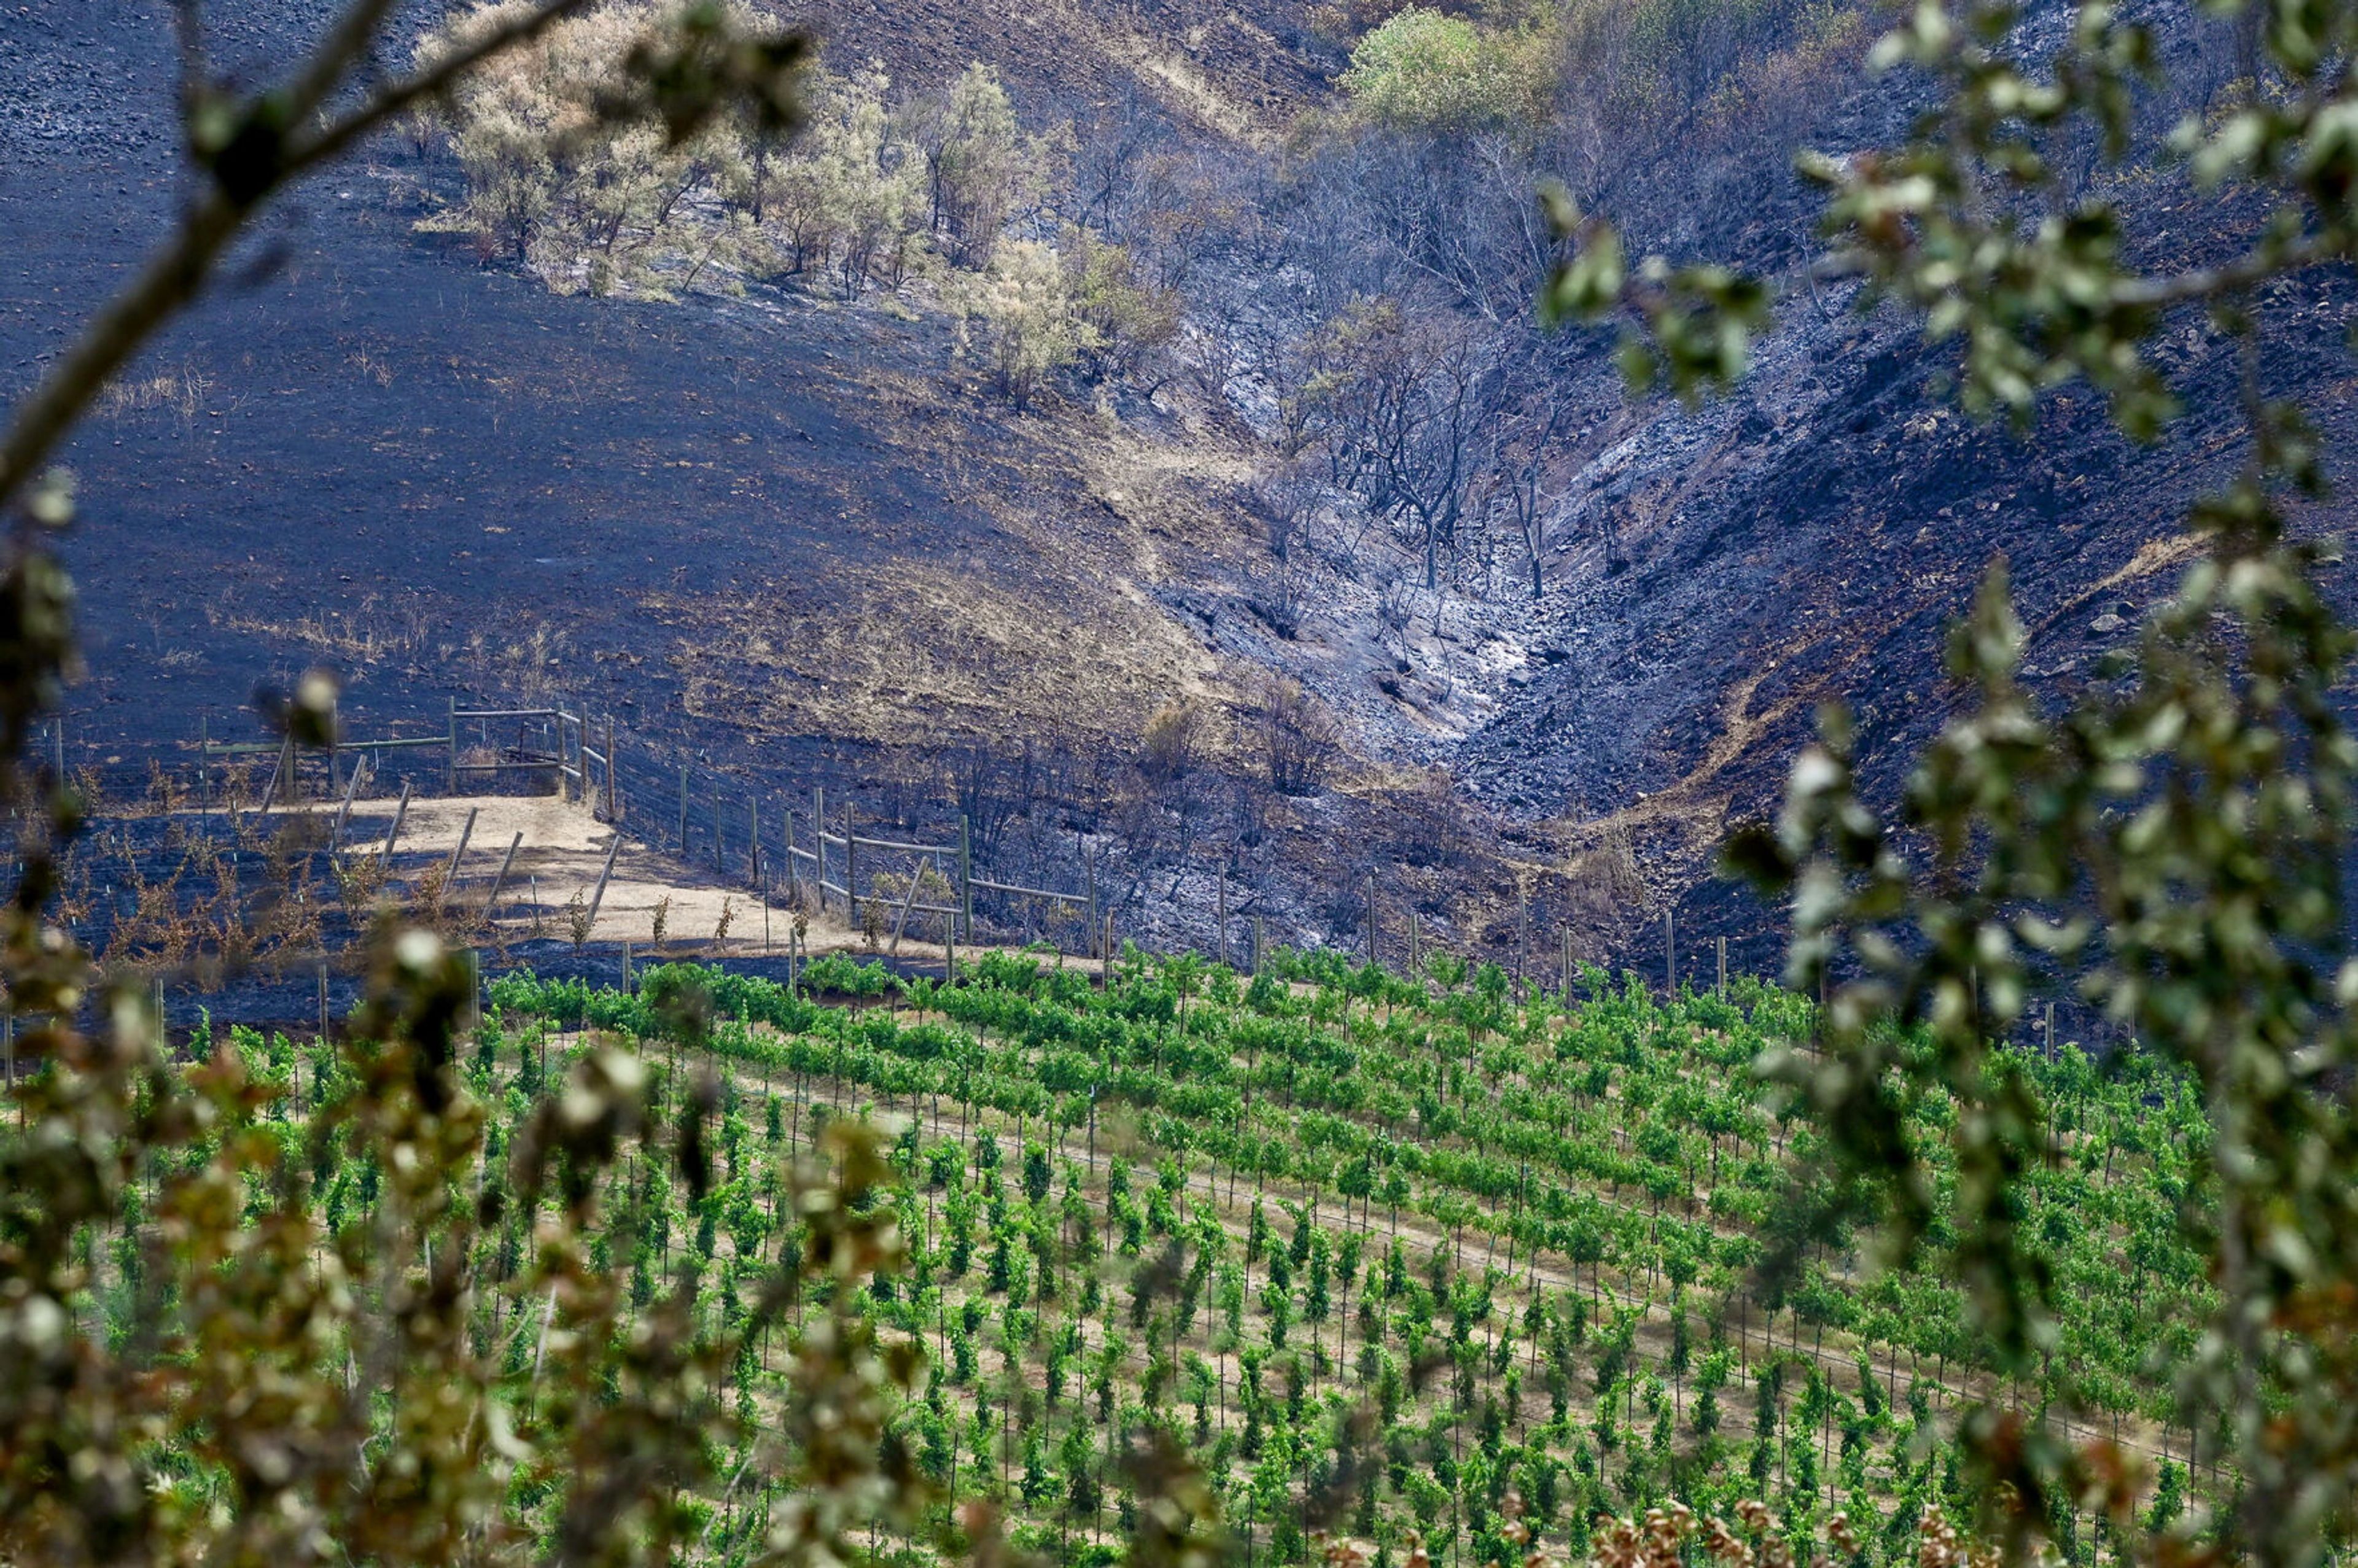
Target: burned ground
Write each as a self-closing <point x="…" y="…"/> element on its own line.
<point x="795" y="540"/>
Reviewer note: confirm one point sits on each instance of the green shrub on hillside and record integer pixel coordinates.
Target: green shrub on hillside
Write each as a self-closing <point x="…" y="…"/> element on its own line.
<point x="877" y="187"/>
<point x="979" y="168"/>
<point x="851" y="199"/>
<point x="1422" y="70"/>
<point x="553" y="179"/>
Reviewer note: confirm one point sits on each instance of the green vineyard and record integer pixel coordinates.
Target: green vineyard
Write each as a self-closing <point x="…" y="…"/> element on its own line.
<point x="1438" y="1264"/>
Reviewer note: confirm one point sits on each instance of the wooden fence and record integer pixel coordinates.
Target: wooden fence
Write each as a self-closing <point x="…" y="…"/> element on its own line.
<point x="786" y="845"/>
<point x="823" y="848"/>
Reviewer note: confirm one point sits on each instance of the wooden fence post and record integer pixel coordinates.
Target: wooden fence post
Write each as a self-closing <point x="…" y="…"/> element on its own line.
<point x="344" y="812"/>
<point x="909" y="902"/>
<point x="753" y="868"/>
<point x="400" y="813"/>
<point x="1669" y="954"/>
<point x="1089" y="872"/>
<point x="818" y="844"/>
<point x="613" y="803"/>
<point x="450" y="871"/>
<point x="851" y="861"/>
<point x="1371" y="920"/>
<point x="1522" y="933"/>
<point x="599" y="896"/>
<point x="508" y="864"/>
<point x="1723" y="968"/>
<point x="281" y="776"/>
<point x="1220" y="937"/>
<point x="794" y="873"/>
<point x="451" y="779"/>
<point x="966" y="880"/>
<point x="1567" y="963"/>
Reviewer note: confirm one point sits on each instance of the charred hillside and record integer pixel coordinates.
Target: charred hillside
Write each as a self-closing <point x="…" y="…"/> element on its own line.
<point x="1318" y="493"/>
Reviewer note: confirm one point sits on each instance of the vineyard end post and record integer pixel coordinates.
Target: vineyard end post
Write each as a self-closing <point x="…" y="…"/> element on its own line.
<point x="966" y="877"/>
<point x="1220" y="937"/>
<point x="1523" y="934"/>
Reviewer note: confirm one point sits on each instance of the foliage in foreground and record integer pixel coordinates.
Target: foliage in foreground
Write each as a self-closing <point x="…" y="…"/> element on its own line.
<point x="2171" y="843"/>
<point x="248" y="1370"/>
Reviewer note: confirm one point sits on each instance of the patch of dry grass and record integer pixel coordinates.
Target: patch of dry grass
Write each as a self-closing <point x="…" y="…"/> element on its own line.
<point x="913" y="652"/>
<point x="183" y="391"/>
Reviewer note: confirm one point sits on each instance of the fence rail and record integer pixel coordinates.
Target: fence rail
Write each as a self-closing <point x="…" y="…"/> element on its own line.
<point x="1024" y="891"/>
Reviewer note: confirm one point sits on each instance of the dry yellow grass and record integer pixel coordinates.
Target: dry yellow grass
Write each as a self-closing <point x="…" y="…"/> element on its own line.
<point x="911" y="651"/>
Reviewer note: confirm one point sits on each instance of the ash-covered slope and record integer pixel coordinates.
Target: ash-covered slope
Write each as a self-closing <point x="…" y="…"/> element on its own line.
<point x="1719" y="573"/>
<point x="760" y="517"/>
<point x="785" y="532"/>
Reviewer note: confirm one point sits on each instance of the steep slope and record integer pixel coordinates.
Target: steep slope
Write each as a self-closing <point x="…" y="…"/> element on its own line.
<point x="1714" y="575"/>
<point x="1230" y="71"/>
<point x="801" y="520"/>
<point x="793" y="537"/>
